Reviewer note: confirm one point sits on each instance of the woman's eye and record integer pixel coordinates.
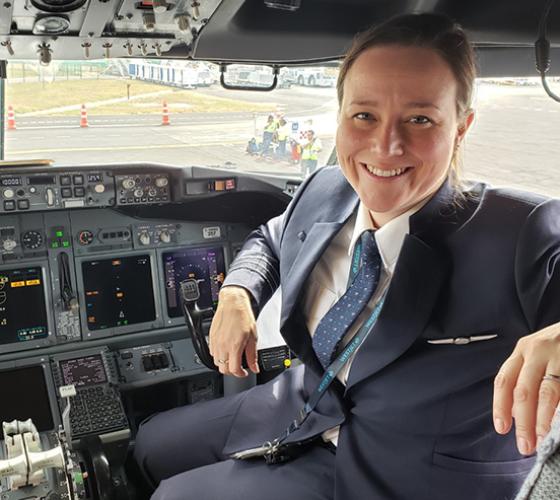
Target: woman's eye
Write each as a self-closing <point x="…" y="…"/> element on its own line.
<point x="363" y="116"/>
<point x="420" y="120"/>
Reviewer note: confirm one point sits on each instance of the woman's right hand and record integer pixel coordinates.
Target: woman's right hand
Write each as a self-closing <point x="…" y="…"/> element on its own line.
<point x="234" y="332"/>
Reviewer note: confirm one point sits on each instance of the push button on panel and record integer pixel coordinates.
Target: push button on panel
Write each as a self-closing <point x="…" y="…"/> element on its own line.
<point x="9" y="205"/>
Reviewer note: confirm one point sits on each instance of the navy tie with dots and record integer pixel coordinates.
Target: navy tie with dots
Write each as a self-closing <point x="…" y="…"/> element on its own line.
<point x="334" y="325"/>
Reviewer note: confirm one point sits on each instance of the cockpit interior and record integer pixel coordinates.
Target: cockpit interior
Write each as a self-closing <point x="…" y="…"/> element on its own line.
<point x="93" y="335"/>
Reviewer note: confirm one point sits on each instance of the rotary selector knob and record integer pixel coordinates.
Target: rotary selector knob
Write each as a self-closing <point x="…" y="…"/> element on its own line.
<point x="99" y="188"/>
<point x="32" y="240"/>
<point x="138" y="193"/>
<point x="9" y="244"/>
<point x="165" y="236"/>
<point x="152" y="192"/>
<point x="85" y="237"/>
<point x="8" y="193"/>
<point x="144" y="238"/>
<point x="161" y="182"/>
<point x="128" y="183"/>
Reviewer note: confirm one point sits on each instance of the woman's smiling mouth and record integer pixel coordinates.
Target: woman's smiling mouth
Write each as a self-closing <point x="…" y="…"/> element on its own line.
<point x="385" y="173"/>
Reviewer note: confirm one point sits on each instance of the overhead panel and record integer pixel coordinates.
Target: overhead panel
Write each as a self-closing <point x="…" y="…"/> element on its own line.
<point x="80" y="29"/>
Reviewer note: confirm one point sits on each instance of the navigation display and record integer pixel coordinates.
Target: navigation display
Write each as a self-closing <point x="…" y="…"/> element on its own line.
<point x="118" y="291"/>
<point x="80" y="372"/>
<point x="206" y="265"/>
<point x="24" y="395"/>
<point x="22" y="290"/>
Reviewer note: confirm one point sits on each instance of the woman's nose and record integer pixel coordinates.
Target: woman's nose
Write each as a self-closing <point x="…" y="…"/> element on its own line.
<point x="387" y="140"/>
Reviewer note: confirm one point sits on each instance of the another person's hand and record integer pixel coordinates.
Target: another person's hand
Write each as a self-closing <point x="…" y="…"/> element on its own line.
<point x="527" y="388"/>
<point x="234" y="332"/>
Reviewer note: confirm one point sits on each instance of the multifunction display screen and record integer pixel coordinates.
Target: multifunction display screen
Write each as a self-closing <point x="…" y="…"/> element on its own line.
<point x="80" y="372"/>
<point x="118" y="291"/>
<point x="24" y="395"/>
<point x="23" y="314"/>
<point x="206" y="265"/>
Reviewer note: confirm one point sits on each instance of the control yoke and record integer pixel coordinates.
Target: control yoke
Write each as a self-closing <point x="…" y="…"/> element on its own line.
<point x="190" y="293"/>
<point x="270" y="359"/>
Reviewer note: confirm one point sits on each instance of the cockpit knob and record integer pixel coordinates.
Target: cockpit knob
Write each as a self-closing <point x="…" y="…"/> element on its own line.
<point x="165" y="236"/>
<point x="99" y="188"/>
<point x="128" y="183"/>
<point x="49" y="195"/>
<point x="144" y="238"/>
<point x="161" y="182"/>
<point x="9" y="245"/>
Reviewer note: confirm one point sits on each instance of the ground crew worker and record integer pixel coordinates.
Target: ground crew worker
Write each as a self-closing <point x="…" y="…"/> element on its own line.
<point x="268" y="134"/>
<point x="310" y="153"/>
<point x="282" y="135"/>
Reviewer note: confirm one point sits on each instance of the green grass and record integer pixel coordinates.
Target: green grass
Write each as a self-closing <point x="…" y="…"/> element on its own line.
<point x="37" y="96"/>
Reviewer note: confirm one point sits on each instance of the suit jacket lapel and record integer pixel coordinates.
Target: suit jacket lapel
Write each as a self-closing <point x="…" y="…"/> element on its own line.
<point x="421" y="272"/>
<point x="418" y="277"/>
<point x="331" y="218"/>
<point x="311" y="250"/>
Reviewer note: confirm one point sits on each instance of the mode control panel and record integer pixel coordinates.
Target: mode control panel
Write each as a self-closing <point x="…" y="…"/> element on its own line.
<point x="143" y="189"/>
<point x="42" y="191"/>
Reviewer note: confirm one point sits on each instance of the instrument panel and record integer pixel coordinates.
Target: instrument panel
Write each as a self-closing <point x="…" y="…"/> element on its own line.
<point x="93" y="254"/>
<point x="92" y="334"/>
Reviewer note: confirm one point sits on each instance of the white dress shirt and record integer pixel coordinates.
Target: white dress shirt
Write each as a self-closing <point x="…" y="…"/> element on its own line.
<point x="329" y="278"/>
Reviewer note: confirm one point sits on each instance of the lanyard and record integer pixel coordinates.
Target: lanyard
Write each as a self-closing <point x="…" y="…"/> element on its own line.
<point x="334" y="368"/>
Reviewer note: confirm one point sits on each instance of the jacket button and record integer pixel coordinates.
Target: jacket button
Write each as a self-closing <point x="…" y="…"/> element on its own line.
<point x="301" y="236"/>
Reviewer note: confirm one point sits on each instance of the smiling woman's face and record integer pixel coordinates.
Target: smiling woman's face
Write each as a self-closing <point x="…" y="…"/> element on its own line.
<point x="398" y="127"/>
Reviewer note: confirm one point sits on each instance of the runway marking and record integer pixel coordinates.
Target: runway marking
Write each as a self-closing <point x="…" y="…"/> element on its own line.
<point x="121" y="148"/>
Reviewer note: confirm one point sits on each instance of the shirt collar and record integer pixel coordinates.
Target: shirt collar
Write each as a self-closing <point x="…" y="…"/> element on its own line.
<point x="389" y="238"/>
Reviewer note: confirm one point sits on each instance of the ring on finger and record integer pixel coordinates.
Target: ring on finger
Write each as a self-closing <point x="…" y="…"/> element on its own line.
<point x="222" y="361"/>
<point x="550" y="376"/>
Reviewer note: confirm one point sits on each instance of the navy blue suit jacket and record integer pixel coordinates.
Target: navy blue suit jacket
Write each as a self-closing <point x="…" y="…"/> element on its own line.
<point x="416" y="415"/>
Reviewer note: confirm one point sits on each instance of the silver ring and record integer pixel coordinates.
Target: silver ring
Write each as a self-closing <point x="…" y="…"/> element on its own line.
<point x="554" y="378"/>
<point x="222" y="361"/>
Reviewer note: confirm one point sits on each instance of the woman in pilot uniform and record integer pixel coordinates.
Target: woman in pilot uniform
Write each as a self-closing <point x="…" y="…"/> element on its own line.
<point x="410" y="298"/>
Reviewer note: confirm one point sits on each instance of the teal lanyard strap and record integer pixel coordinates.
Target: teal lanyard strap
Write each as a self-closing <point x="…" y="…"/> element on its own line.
<point x="336" y="366"/>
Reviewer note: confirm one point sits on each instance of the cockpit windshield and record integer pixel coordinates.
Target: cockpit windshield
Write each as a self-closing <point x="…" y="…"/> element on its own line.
<point x="176" y="112"/>
<point x="173" y="112"/>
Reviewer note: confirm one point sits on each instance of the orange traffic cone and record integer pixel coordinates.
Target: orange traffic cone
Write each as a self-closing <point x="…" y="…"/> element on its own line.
<point x="11" y="118"/>
<point x="83" y="117"/>
<point x="165" y="116"/>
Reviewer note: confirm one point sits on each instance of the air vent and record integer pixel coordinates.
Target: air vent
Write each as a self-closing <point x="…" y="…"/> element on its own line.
<point x="58" y="5"/>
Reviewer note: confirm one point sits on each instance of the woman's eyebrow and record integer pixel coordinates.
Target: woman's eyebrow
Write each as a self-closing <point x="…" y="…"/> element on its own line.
<point x="411" y="104"/>
<point x="421" y="104"/>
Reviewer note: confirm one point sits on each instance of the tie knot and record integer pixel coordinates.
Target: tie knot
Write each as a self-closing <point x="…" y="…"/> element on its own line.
<point x="370" y="252"/>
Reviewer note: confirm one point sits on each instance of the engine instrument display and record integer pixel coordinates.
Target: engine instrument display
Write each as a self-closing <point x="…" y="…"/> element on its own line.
<point x="22" y="290"/>
<point x="206" y="265"/>
<point x="118" y="291"/>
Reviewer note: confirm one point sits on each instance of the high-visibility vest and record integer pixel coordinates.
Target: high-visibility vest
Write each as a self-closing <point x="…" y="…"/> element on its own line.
<point x="283" y="132"/>
<point x="270" y="127"/>
<point x="311" y="150"/>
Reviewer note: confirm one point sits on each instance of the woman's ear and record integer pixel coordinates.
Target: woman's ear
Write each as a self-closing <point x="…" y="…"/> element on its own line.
<point x="464" y="125"/>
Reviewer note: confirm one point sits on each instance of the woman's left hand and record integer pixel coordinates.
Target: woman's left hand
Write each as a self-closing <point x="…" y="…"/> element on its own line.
<point x="527" y="388"/>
